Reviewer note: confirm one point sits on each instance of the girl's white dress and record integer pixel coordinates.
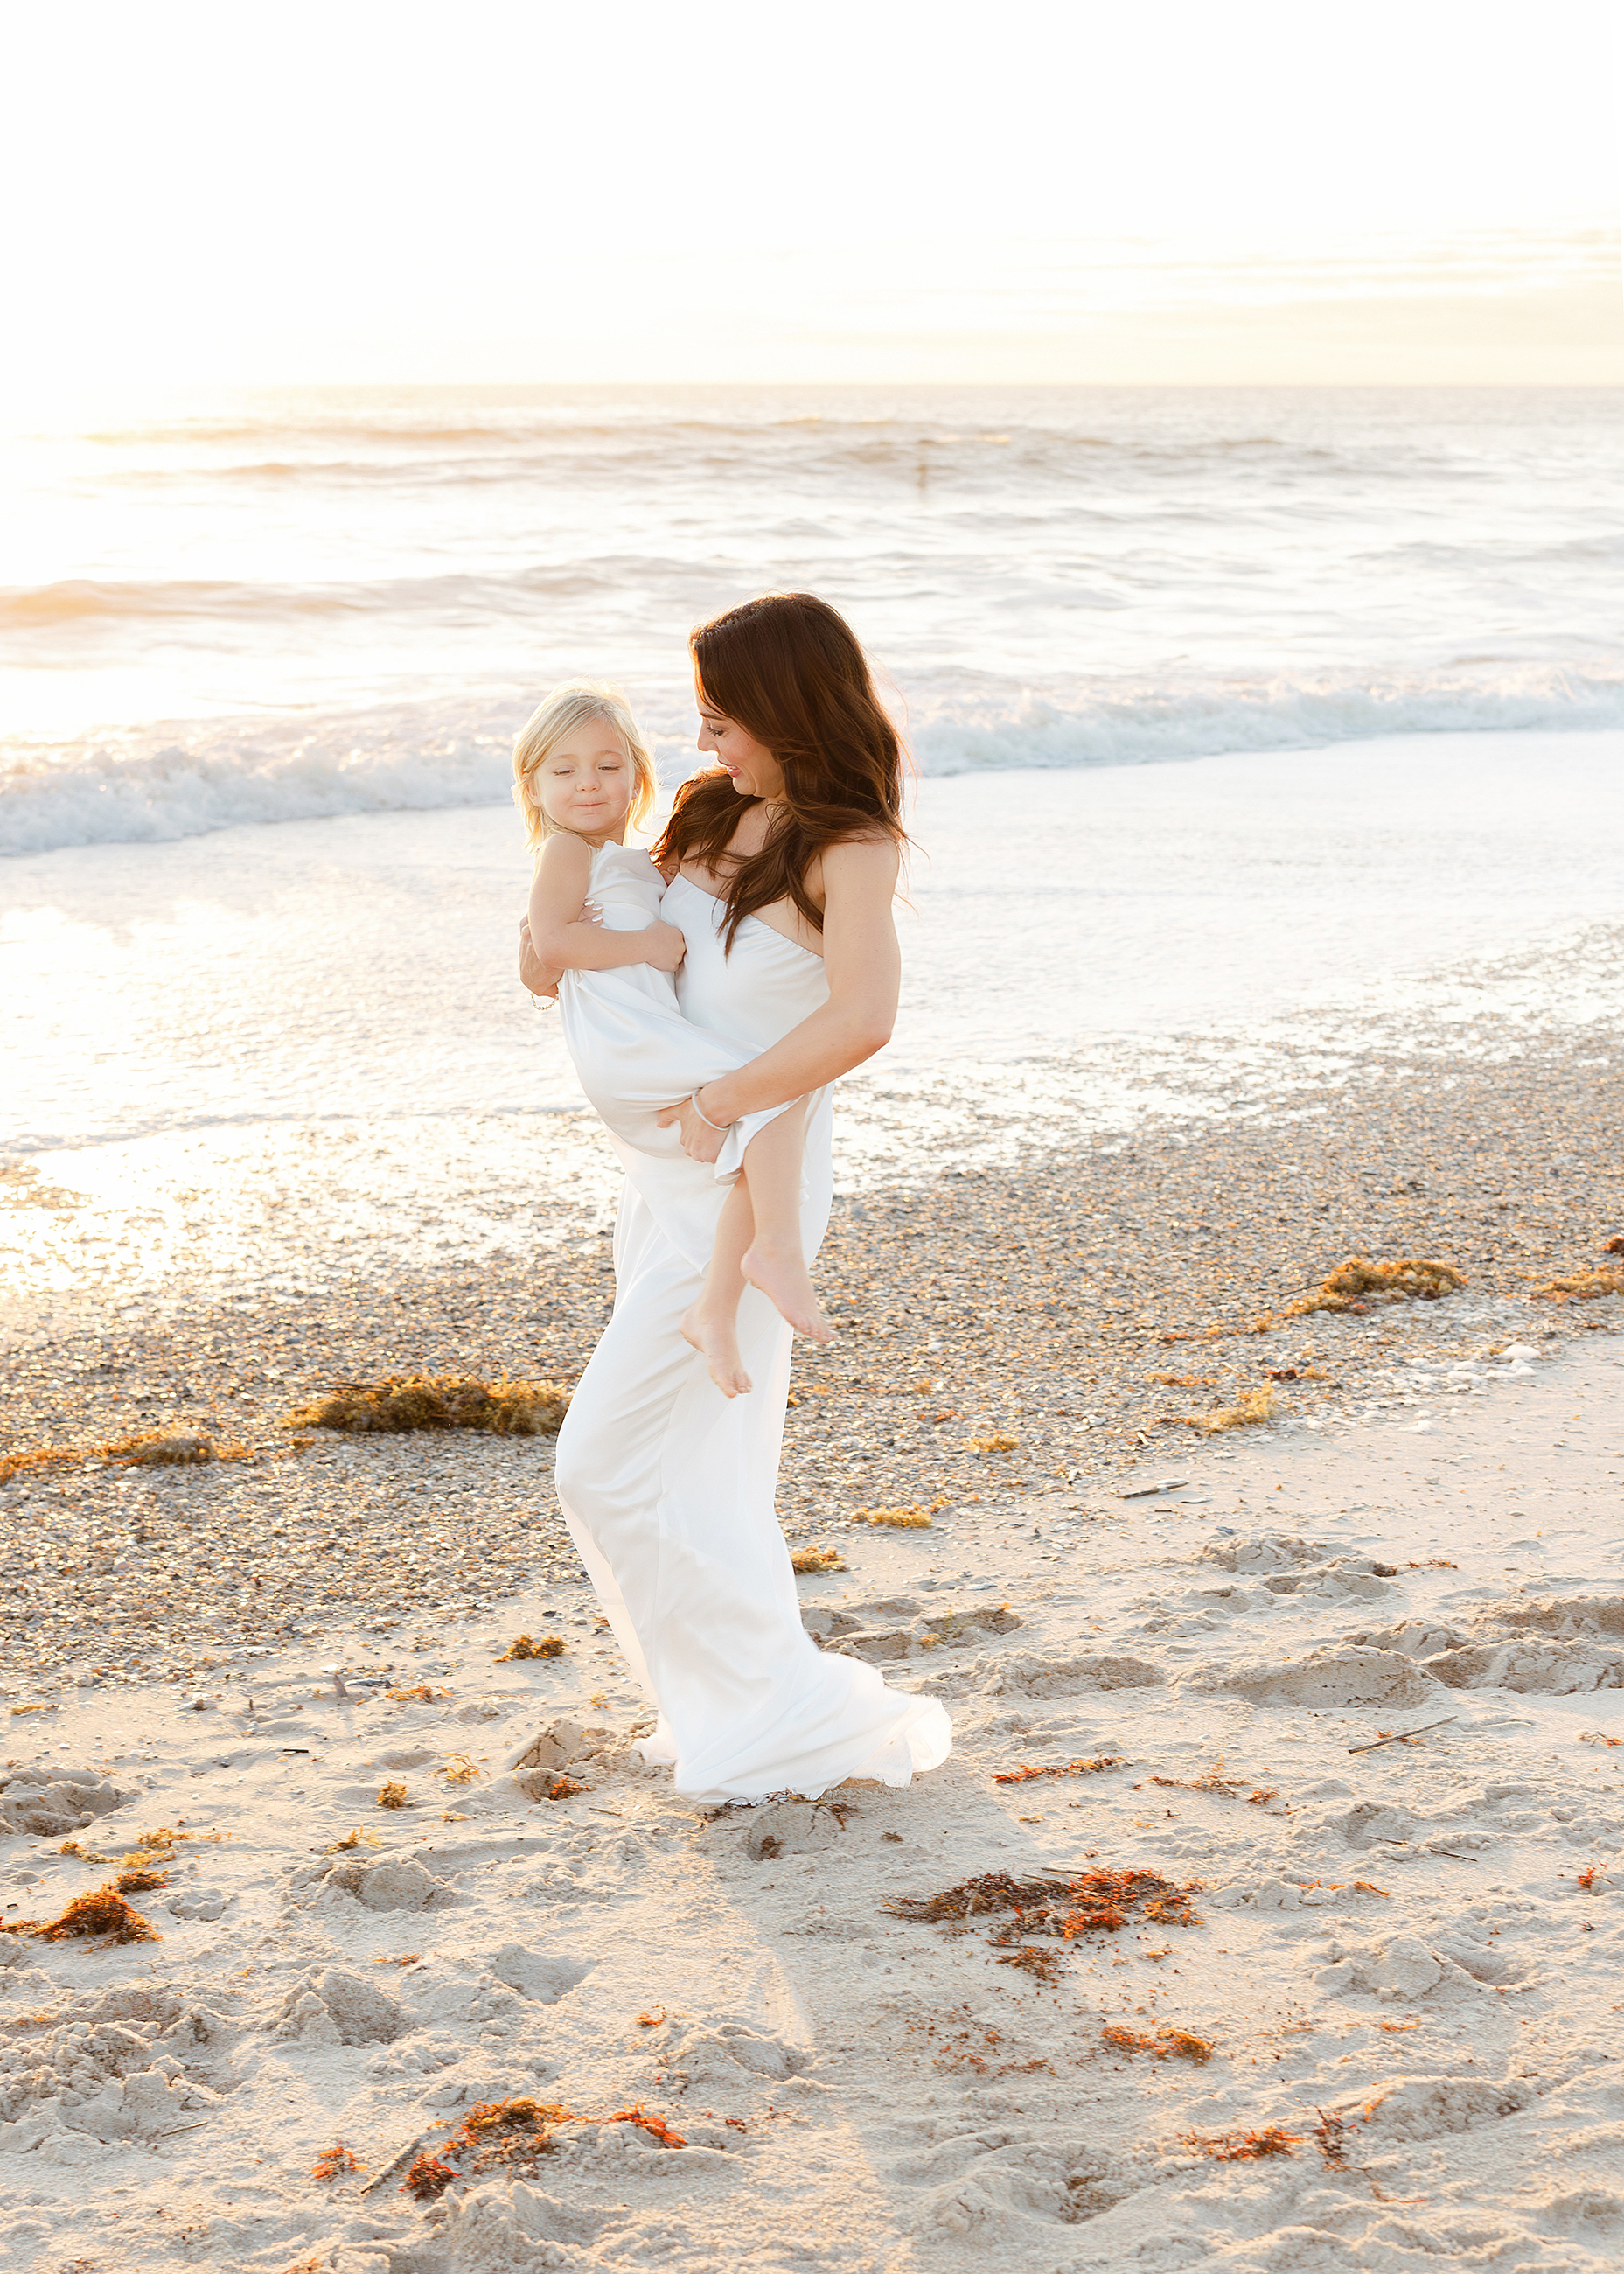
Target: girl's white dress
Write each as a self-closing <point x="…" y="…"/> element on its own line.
<point x="667" y="1486"/>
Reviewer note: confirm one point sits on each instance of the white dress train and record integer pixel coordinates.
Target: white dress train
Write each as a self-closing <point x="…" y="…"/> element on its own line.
<point x="667" y="1486"/>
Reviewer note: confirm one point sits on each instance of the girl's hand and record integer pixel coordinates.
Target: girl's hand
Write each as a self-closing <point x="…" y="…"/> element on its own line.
<point x="533" y="973"/>
<point x="700" y="1142"/>
<point x="666" y="945"/>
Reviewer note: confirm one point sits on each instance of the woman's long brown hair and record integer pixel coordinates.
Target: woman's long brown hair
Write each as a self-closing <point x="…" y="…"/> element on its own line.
<point x="788" y="670"/>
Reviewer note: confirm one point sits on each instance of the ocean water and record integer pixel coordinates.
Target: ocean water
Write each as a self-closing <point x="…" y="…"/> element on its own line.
<point x="272" y="1056"/>
<point x="1260" y="736"/>
<point x="279" y="607"/>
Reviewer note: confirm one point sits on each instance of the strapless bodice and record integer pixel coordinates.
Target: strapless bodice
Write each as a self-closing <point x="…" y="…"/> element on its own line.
<point x="755" y="995"/>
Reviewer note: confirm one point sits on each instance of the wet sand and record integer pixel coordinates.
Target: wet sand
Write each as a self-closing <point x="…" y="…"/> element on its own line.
<point x="1049" y="1303"/>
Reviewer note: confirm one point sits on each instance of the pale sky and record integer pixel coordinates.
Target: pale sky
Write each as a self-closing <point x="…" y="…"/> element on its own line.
<point x="1100" y="188"/>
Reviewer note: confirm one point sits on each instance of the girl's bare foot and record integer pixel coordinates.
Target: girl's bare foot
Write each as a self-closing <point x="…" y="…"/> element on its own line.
<point x="781" y="1274"/>
<point x="715" y="1337"/>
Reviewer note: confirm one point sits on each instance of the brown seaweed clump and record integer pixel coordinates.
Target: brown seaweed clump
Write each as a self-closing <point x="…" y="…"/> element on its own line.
<point x="151" y="1448"/>
<point x="140" y="1881"/>
<point x="1092" y="1766"/>
<point x="1090" y="1901"/>
<point x="806" y="1559"/>
<point x="1244" y="2146"/>
<point x="493" y="2133"/>
<point x="428" y="2178"/>
<point x="1162" y="2045"/>
<point x="489" y="2119"/>
<point x="392" y="1795"/>
<point x="1582" y="1286"/>
<point x="354" y="1838"/>
<point x="332" y="2161"/>
<point x="1328" y="2136"/>
<point x="656" y="2126"/>
<point x="1032" y="1957"/>
<point x="403" y="1402"/>
<point x="1357" y="1283"/>
<point x="1227" y="1788"/>
<point x="913" y="1518"/>
<point x="104" y="1911"/>
<point x="1249" y="1412"/>
<point x="527" y="1647"/>
<point x="160" y="1449"/>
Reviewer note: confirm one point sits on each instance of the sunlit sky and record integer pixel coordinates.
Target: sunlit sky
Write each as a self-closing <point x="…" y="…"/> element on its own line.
<point x="347" y="191"/>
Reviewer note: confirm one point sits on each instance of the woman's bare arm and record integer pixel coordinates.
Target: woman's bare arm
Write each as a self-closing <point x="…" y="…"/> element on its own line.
<point x="561" y="941"/>
<point x="864" y="966"/>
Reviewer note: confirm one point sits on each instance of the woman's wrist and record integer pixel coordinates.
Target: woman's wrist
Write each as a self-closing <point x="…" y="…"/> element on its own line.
<point x="707" y="1109"/>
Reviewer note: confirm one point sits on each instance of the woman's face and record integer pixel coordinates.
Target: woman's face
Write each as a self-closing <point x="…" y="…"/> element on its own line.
<point x="751" y="766"/>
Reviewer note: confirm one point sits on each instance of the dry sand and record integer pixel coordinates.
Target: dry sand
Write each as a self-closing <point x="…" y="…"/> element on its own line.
<point x="858" y="2090"/>
<point x="1408" y="1958"/>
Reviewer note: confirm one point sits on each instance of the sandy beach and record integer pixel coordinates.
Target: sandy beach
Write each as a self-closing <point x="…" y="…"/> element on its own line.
<point x="1346" y="2007"/>
<point x="1262" y="915"/>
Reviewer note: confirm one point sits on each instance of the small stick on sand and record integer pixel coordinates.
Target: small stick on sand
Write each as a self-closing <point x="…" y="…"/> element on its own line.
<point x="1399" y="1736"/>
<point x="395" y="2163"/>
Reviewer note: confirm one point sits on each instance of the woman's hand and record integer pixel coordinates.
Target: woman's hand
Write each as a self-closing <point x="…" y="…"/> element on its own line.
<point x="699" y="1141"/>
<point x="533" y="973"/>
<point x="666" y="945"/>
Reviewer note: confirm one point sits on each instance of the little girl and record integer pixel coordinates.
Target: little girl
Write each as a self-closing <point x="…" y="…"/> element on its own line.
<point x="582" y="776"/>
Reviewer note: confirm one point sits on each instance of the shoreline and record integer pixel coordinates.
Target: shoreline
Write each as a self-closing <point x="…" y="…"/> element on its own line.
<point x="953" y="1323"/>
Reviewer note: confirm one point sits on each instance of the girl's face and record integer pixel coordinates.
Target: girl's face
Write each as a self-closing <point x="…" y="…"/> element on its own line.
<point x="754" y="770"/>
<point x="585" y="783"/>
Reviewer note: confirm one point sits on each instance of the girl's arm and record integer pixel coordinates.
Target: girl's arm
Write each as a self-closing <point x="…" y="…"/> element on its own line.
<point x="864" y="966"/>
<point x="533" y="973"/>
<point x="561" y="941"/>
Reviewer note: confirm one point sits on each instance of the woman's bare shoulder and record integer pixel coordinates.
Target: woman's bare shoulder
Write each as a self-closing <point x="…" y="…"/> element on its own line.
<point x="861" y="863"/>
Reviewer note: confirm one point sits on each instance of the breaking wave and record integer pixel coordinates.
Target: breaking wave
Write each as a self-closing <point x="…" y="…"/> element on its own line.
<point x="181" y="781"/>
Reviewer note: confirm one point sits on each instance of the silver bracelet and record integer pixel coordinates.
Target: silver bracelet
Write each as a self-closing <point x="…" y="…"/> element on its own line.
<point x="721" y="1127"/>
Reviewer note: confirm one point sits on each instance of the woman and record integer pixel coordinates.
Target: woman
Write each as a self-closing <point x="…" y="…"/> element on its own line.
<point x="784" y="856"/>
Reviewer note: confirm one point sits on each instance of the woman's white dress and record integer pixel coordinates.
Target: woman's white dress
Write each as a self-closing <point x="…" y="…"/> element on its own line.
<point x="667" y="1486"/>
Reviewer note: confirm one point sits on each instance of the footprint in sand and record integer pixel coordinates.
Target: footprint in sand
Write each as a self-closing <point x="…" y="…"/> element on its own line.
<point x="395" y="1883"/>
<point x="710" y="2056"/>
<point x="1027" y="1675"/>
<point x="1330" y="1677"/>
<point x="335" y="2008"/>
<point x="541" y="1978"/>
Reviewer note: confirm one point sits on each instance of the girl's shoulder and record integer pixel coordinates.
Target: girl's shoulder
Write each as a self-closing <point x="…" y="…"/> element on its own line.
<point x="630" y="860"/>
<point x="561" y="849"/>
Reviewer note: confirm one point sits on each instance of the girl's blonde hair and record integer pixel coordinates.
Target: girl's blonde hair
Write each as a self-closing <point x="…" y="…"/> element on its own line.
<point x="558" y="715"/>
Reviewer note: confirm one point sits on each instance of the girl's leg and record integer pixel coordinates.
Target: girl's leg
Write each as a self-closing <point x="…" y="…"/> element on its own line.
<point x="774" y="1260"/>
<point x="712" y="1323"/>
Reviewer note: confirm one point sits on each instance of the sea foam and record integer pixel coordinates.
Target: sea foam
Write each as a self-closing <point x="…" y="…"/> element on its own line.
<point x="186" y="780"/>
<point x="308" y="604"/>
